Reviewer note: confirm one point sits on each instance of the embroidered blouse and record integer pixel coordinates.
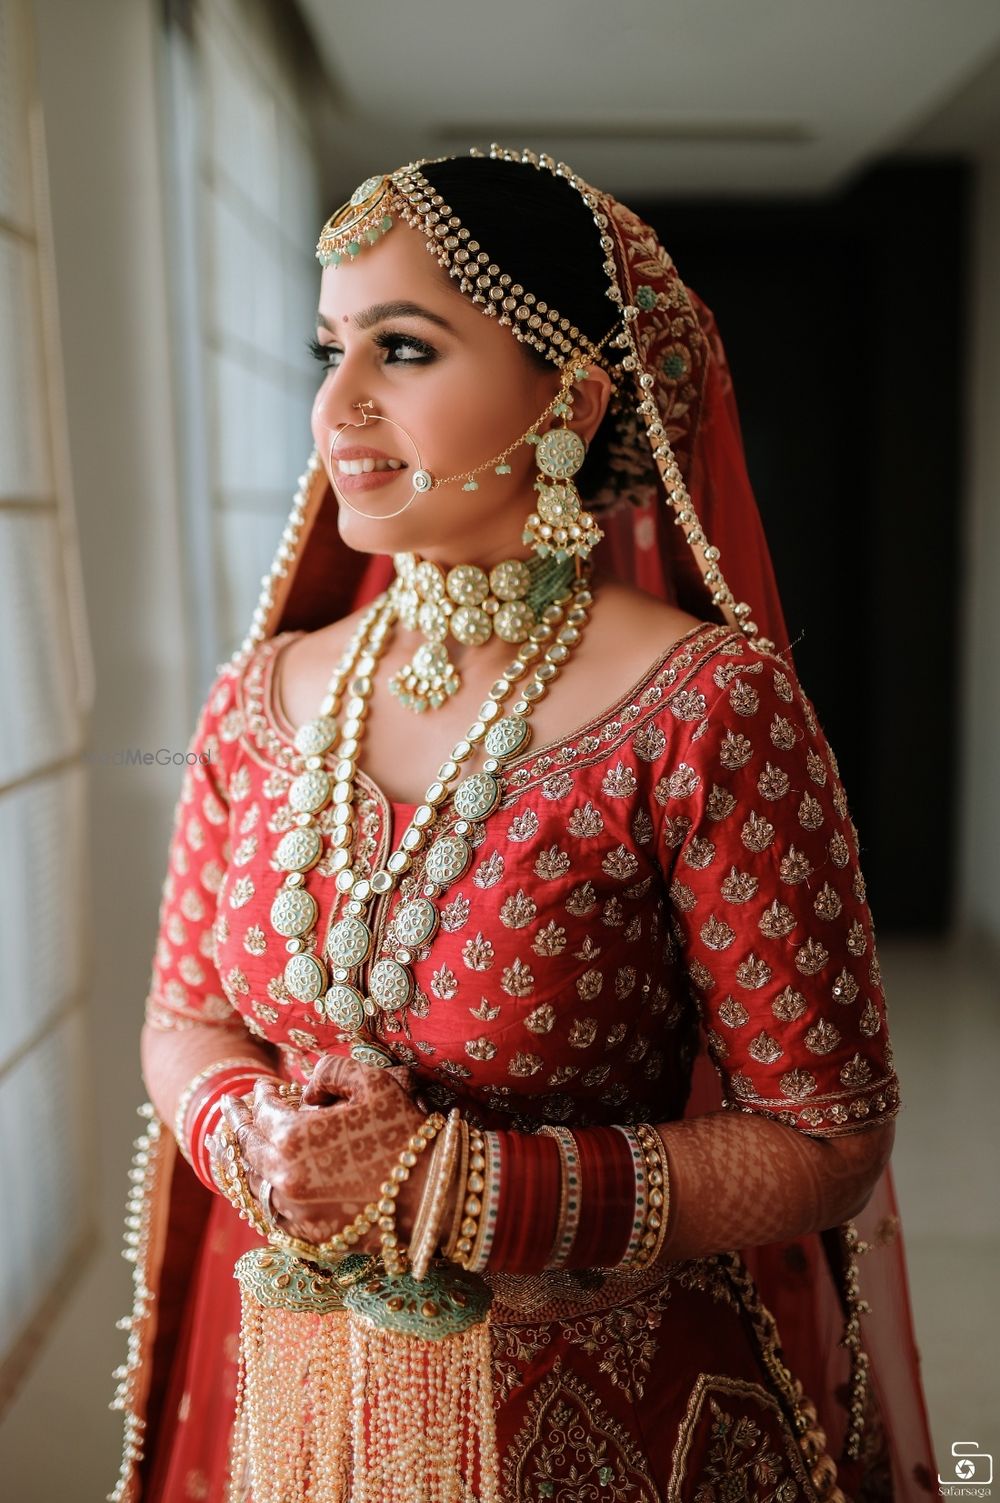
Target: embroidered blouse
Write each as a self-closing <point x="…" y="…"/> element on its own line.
<point x="685" y="860"/>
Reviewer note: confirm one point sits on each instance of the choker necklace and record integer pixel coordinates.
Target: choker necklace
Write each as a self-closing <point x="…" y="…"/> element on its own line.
<point x="329" y="748"/>
<point x="471" y="606"/>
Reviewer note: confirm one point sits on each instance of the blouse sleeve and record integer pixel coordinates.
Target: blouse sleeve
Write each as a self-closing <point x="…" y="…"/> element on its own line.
<point x="768" y="902"/>
<point x="185" y="987"/>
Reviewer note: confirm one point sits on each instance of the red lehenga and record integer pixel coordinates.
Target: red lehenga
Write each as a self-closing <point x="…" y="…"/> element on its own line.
<point x="680" y="871"/>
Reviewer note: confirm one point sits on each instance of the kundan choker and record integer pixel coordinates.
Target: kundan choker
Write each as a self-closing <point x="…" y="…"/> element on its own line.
<point x="470" y="605"/>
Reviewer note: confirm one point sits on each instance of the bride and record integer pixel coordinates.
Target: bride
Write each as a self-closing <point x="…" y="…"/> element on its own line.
<point x="512" y="801"/>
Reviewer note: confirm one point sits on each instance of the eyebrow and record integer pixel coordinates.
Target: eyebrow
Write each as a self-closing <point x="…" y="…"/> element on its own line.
<point x="379" y="313"/>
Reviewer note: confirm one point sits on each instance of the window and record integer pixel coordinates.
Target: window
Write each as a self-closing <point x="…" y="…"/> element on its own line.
<point x="46" y="1156"/>
<point x="245" y="220"/>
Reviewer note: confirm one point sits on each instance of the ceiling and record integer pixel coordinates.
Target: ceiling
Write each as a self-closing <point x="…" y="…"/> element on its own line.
<point x="648" y="97"/>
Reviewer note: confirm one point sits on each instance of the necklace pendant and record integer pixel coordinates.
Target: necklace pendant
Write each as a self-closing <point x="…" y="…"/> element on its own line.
<point x="427" y="680"/>
<point x="293" y="912"/>
<point x="299" y="849"/>
<point x="416" y="922"/>
<point x="391" y="985"/>
<point x="349" y="942"/>
<point x="447" y="860"/>
<point x="343" y="1006"/>
<point x="305" y="977"/>
<point x="310" y="792"/>
<point x="477" y="796"/>
<point x="372" y="1054"/>
<point x="506" y="737"/>
<point x="316" y="736"/>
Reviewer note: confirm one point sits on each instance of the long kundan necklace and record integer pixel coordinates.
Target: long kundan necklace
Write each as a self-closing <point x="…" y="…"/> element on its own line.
<point x="357" y="1382"/>
<point x="332" y="981"/>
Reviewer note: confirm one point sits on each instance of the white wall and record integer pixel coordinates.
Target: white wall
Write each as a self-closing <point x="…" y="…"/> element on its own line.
<point x="979" y="868"/>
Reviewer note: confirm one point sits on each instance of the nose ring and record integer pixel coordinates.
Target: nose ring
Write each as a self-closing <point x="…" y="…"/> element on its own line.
<point x="364" y="408"/>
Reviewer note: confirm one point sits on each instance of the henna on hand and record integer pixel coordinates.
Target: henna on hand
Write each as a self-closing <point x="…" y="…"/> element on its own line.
<point x="742" y="1180"/>
<point x="326" y="1158"/>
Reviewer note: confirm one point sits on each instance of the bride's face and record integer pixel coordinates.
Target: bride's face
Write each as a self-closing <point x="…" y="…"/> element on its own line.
<point x="394" y="331"/>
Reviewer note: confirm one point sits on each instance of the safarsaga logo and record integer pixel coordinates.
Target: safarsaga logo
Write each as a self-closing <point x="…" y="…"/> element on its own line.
<point x="134" y="756"/>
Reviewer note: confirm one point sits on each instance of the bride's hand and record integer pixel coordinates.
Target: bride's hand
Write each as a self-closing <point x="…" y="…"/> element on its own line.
<point x="327" y="1158"/>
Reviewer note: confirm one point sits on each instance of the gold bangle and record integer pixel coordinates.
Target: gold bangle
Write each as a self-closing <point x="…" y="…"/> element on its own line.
<point x="658" y="1179"/>
<point x="426" y="1232"/>
<point x="450" y="1242"/>
<point x="569" y="1195"/>
<point x="474" y="1198"/>
<point x="235" y="1183"/>
<point x="393" y="1254"/>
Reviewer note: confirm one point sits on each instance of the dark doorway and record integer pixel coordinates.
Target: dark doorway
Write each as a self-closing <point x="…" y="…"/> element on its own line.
<point x="843" y="320"/>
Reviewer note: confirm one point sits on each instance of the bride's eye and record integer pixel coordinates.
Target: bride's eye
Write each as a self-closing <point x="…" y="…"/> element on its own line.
<point x="405" y="349"/>
<point x="400" y="349"/>
<point x="328" y="355"/>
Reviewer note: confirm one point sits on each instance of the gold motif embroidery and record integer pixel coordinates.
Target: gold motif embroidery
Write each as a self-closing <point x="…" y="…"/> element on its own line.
<point x="845" y="988"/>
<point x="721" y="803"/>
<point x="856" y="1073"/>
<point x="733" y="1013"/>
<point x="735" y="751"/>
<point x="569" y="1447"/>
<point x="490" y="872"/>
<point x="455" y="915"/>
<point x="699" y="853"/>
<point x="517" y="980"/>
<point x="810" y="812"/>
<point x="717" y="934"/>
<point x="765" y="1049"/>
<point x="688" y="704"/>
<point x="523" y="826"/>
<point x="478" y="953"/>
<point x="753" y="972"/>
<point x="649" y="742"/>
<point x="585" y="822"/>
<point x="757" y="833"/>
<point x="788" y="1005"/>
<point x="744" y="698"/>
<point x="551" y="940"/>
<point x="797" y="1084"/>
<point x="827" y="903"/>
<point x="620" y="863"/>
<point x="822" y="1037"/>
<point x="738" y="887"/>
<point x="811" y="957"/>
<point x="518" y="910"/>
<point x="619" y="782"/>
<point x="777" y="921"/>
<point x="773" y="783"/>
<point x="783" y="734"/>
<point x="552" y="864"/>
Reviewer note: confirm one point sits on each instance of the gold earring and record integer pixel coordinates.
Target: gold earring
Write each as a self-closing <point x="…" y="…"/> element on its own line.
<point x="560" y="526"/>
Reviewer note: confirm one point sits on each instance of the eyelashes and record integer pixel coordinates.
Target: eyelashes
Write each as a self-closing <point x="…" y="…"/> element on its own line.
<point x="400" y="349"/>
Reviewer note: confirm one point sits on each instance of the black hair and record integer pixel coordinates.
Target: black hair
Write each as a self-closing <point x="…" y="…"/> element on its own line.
<point x="538" y="230"/>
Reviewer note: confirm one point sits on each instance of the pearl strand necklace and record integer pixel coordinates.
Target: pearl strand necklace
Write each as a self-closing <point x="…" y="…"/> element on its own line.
<point x="349" y="943"/>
